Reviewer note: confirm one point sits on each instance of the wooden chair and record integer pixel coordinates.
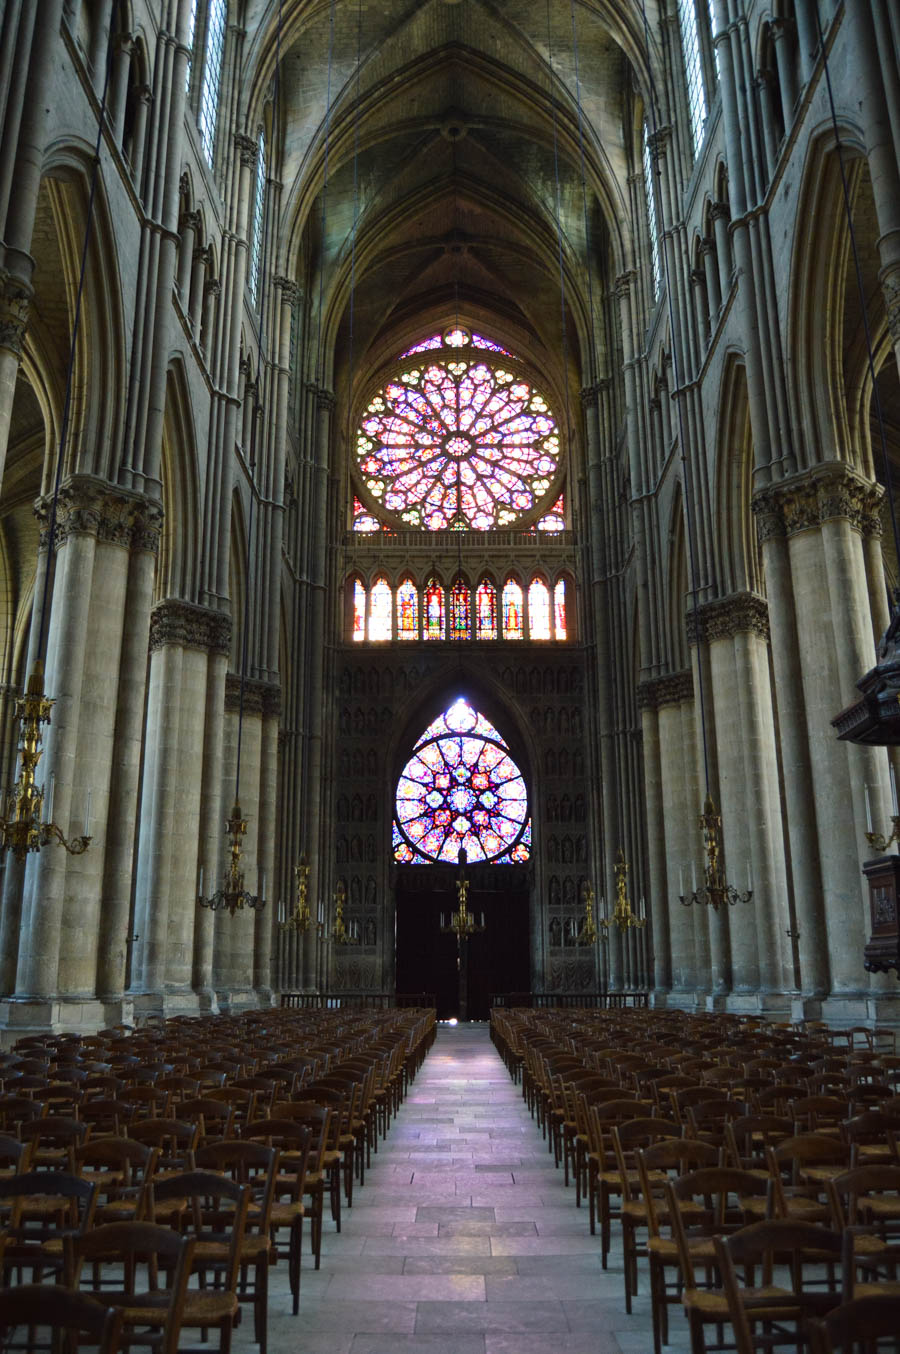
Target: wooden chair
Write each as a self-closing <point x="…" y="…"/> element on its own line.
<point x="175" y="1140"/>
<point x="628" y="1138"/>
<point x="44" y="1206"/>
<point x="105" y="1115"/>
<point x="250" y="1163"/>
<point x="54" y="1139"/>
<point x="294" y="1142"/>
<point x="781" y="1309"/>
<point x="63" y="1312"/>
<point x="120" y="1168"/>
<point x="865" y="1323"/>
<point x="213" y="1212"/>
<point x="604" y="1181"/>
<point x="214" y="1117"/>
<point x="800" y="1167"/>
<point x="316" y="1118"/>
<point x="124" y="1262"/>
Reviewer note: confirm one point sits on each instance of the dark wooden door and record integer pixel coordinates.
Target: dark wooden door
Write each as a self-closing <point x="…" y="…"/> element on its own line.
<point x="497" y="959"/>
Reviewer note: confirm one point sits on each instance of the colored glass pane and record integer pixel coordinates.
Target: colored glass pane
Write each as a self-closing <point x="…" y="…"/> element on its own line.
<point x="212" y="75"/>
<point x="458" y="443"/>
<point x="407" y="610"/>
<point x="362" y="520"/>
<point x="555" y="519"/>
<point x="455" y="337"/>
<point x="359" y="611"/>
<point x="559" y="609"/>
<point x="434" y="610"/>
<point x="380" y="610"/>
<point x="460" y="788"/>
<point x="486" y="610"/>
<point x="512" y="611"/>
<point x="520" y="852"/>
<point x="460" y="618"/>
<point x="538" y="610"/>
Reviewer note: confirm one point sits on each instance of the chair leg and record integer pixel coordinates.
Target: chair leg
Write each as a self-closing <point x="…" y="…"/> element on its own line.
<point x="294" y="1261"/>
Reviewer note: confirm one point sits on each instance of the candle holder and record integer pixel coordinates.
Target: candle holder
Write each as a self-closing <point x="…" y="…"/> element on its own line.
<point x="233" y="896"/>
<point x="875" y="839"/>
<point x="715" y="891"/>
<point x="342" y="934"/>
<point x="300" y="919"/>
<point x="588" y="934"/>
<point x="622" y="916"/>
<point x="462" y="922"/>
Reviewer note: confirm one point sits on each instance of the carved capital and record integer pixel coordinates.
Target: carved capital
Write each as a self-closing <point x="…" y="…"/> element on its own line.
<point x="658" y="140"/>
<point x="212" y="287"/>
<point x="15" y="300"/>
<point x="739" y="613"/>
<point x="189" y="627"/>
<point x="325" y="399"/>
<point x="260" y="698"/>
<point x="89" y="507"/>
<point x="589" y="397"/>
<point x="828" y="492"/>
<point x="623" y="283"/>
<point x="719" y="211"/>
<point x="671" y="689"/>
<point x="291" y="293"/>
<point x="247" y="149"/>
<point x="890" y="286"/>
<point x="192" y="221"/>
<point x="707" y="246"/>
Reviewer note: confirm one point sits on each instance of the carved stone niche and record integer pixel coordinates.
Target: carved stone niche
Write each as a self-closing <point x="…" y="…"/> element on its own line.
<point x="883" y="950"/>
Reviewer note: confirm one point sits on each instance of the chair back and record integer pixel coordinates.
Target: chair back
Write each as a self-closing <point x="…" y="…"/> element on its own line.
<point x="63" y="1311"/>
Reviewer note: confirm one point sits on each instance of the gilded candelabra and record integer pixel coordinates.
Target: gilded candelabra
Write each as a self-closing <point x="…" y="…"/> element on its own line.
<point x="715" y="891"/>
<point x="462" y="922"/>
<point x="875" y="839"/>
<point x="588" y="934"/>
<point x="233" y="895"/>
<point x="342" y="934"/>
<point x="23" y="827"/>
<point x="300" y="919"/>
<point x="622" y="916"/>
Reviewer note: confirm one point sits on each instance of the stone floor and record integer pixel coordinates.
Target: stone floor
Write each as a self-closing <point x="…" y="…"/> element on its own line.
<point x="464" y="1239"/>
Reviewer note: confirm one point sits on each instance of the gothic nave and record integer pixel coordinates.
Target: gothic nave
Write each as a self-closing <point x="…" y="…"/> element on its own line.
<point x="444" y="425"/>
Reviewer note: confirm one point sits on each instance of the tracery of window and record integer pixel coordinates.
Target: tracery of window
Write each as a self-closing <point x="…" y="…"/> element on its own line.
<point x="458" y="443"/>
<point x="652" y="227"/>
<point x="212" y="75"/>
<point x="259" y="197"/>
<point x="380" y="600"/>
<point x="457" y="337"/>
<point x="486" y="610"/>
<point x="434" y="610"/>
<point x="513" y="627"/>
<point x="693" y="70"/>
<point x="712" y="34"/>
<point x="538" y="610"/>
<point x="192" y="29"/>
<point x="407" y="610"/>
<point x="461" y="788"/>
<point x="364" y="521"/>
<point x="359" y="611"/>
<point x="555" y="519"/>
<point x="460" y="617"/>
<point x="559" y="609"/>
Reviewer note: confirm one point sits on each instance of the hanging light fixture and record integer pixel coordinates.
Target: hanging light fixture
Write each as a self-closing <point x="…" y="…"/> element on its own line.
<point x="622" y="916"/>
<point x="232" y="895"/>
<point x="300" y="919"/>
<point x="588" y="935"/>
<point x="462" y="923"/>
<point x="715" y="891"/>
<point x="341" y="933"/>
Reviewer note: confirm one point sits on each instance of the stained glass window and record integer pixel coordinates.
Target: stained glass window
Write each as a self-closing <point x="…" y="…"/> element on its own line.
<point x="259" y="200"/>
<point x="460" y="611"/>
<point x="693" y="73"/>
<point x="362" y="520"/>
<point x="486" y="610"/>
<point x="460" y="788"/>
<point x="512" y="611"/>
<point x="380" y="600"/>
<point x="555" y="519"/>
<point x="538" y="610"/>
<point x="407" y="610"/>
<point x="212" y="75"/>
<point x="458" y="442"/>
<point x="650" y="194"/>
<point x="456" y="337"/>
<point x="359" y="611"/>
<point x="559" y="609"/>
<point x="434" y="610"/>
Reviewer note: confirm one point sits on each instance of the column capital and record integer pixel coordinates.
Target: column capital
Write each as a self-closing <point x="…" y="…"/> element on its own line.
<point x="890" y="287"/>
<point x="719" y="211"/>
<point x="212" y="287"/>
<point x="670" y="689"/>
<point x="291" y="291"/>
<point x="247" y="149"/>
<point x="189" y="627"/>
<point x="15" y="302"/>
<point x="825" y="493"/>
<point x="260" y="698"/>
<point x="191" y="221"/>
<point x="623" y="282"/>
<point x="657" y="140"/>
<point x="725" y="617"/>
<point x="90" y="507"/>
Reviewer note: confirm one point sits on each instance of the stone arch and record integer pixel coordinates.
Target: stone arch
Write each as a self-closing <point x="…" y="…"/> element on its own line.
<point x="738" y="550"/>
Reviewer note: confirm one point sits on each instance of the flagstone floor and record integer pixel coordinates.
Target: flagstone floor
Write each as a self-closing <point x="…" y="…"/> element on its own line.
<point x="464" y="1239"/>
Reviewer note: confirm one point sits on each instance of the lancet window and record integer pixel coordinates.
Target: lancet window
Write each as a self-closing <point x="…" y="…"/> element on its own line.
<point x="432" y="612"/>
<point x="214" y="51"/>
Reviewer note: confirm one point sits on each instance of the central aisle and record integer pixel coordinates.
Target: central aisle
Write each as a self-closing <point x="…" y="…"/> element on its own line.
<point x="464" y="1239"/>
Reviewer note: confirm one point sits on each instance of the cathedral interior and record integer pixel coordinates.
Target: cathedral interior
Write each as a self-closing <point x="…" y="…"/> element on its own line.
<point x="446" y="450"/>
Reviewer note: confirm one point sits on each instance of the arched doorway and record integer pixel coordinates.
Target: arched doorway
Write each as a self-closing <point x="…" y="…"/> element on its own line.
<point x="461" y="789"/>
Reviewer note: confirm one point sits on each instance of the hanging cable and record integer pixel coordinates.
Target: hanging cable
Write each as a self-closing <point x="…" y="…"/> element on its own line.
<point x="682" y="439"/>
<point x="860" y="287"/>
<point x="351" y="356"/>
<point x="324" y="214"/>
<point x="559" y="233"/>
<point x="584" y="199"/>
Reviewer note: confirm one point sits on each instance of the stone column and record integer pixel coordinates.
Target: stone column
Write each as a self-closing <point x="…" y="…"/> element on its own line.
<point x="268" y="827"/>
<point x="659" y="901"/>
<point x="212" y="844"/>
<point x="675" y="697"/>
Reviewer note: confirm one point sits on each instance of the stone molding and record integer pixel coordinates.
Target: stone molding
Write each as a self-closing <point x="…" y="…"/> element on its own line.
<point x="260" y="698"/>
<point x="671" y="689"/>
<point x="890" y="287"/>
<point x="823" y="494"/>
<point x="737" y="614"/>
<point x="15" y="300"/>
<point x="189" y="626"/>
<point x="291" y="291"/>
<point x="90" y="507"/>
<point x="247" y="149"/>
